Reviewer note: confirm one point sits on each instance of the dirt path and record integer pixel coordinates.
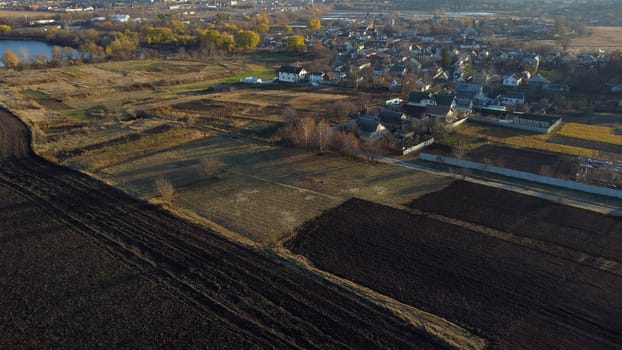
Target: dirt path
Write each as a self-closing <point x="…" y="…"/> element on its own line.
<point x="250" y="298"/>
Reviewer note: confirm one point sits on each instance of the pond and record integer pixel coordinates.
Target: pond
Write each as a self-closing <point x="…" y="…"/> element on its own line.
<point x="28" y="50"/>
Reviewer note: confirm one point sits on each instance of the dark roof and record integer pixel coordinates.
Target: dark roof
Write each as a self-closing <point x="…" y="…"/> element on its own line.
<point x="466" y="87"/>
<point x="414" y="110"/>
<point x="417" y="96"/>
<point x="367" y="125"/>
<point x="290" y="69"/>
<point x="465" y="95"/>
<point x="437" y="110"/>
<point x="514" y="94"/>
<point x="444" y="99"/>
<point x="391" y="118"/>
<point x="539" y="79"/>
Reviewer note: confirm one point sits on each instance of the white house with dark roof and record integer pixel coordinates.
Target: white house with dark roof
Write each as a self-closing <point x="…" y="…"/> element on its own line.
<point x="370" y="127"/>
<point x="513" y="98"/>
<point x="512" y="80"/>
<point x="291" y="74"/>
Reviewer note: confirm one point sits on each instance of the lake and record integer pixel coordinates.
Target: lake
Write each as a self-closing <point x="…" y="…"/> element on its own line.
<point x="26" y="50"/>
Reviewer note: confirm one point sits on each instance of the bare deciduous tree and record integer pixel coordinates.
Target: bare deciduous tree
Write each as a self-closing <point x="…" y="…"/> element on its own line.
<point x="165" y="189"/>
<point x="345" y="143"/>
<point x="289" y="114"/>
<point x="210" y="166"/>
<point x="322" y="132"/>
<point x="307" y="127"/>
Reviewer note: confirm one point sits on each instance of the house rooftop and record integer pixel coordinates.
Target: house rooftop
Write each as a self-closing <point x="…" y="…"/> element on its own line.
<point x="444" y="99"/>
<point x="391" y="118"/>
<point x="437" y="111"/>
<point x="416" y="96"/>
<point x="290" y="69"/>
<point x="367" y="125"/>
<point x="514" y="94"/>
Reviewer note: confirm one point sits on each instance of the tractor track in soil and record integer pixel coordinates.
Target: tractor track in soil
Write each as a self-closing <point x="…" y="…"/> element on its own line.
<point x="258" y="297"/>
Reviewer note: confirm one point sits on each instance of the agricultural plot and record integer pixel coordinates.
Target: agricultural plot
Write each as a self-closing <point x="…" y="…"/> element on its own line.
<point x="600" y="146"/>
<point x="590" y="132"/>
<point x="529" y="160"/>
<point x="527" y="216"/>
<point x="514" y="296"/>
<point x="607" y="38"/>
<point x="265" y="191"/>
<point x="86" y="266"/>
<point x="522" y="139"/>
<point x="125" y="149"/>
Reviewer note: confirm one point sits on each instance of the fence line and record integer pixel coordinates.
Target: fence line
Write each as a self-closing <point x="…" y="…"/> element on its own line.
<point x="418" y="146"/>
<point x="547" y="180"/>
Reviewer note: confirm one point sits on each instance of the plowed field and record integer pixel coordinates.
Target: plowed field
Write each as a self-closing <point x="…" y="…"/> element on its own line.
<point x="527" y="216"/>
<point x="529" y="160"/>
<point x="83" y="265"/>
<point x="516" y="296"/>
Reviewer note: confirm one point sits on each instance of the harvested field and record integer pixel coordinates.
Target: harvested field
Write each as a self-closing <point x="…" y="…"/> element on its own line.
<point x="85" y="265"/>
<point x="266" y="191"/>
<point x="529" y="160"/>
<point x="514" y="296"/>
<point x="607" y="38"/>
<point x="130" y="137"/>
<point x="583" y="143"/>
<point x="590" y="132"/>
<point x="521" y="139"/>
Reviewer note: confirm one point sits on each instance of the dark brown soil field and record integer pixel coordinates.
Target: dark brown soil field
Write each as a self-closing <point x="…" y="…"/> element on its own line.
<point x="590" y="144"/>
<point x="529" y="160"/>
<point x="85" y="266"/>
<point x="578" y="229"/>
<point x="517" y="297"/>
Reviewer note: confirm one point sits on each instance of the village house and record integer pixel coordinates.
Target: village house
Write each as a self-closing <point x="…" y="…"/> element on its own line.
<point x="512" y="80"/>
<point x="291" y="74"/>
<point x="392" y="120"/>
<point x="444" y="113"/>
<point x="370" y="128"/>
<point x="444" y="100"/>
<point x="316" y="77"/>
<point x="513" y="98"/>
<point x="467" y="95"/>
<point x="538" y="82"/>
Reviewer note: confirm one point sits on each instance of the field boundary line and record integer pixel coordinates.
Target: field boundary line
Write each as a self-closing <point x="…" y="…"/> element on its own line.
<point x="287" y="186"/>
<point x="435" y="326"/>
<point x="596" y="262"/>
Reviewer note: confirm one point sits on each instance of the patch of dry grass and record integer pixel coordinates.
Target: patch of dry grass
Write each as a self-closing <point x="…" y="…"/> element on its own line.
<point x="146" y="145"/>
<point x="590" y="132"/>
<point x="265" y="192"/>
<point x="609" y="38"/>
<point x="523" y="139"/>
